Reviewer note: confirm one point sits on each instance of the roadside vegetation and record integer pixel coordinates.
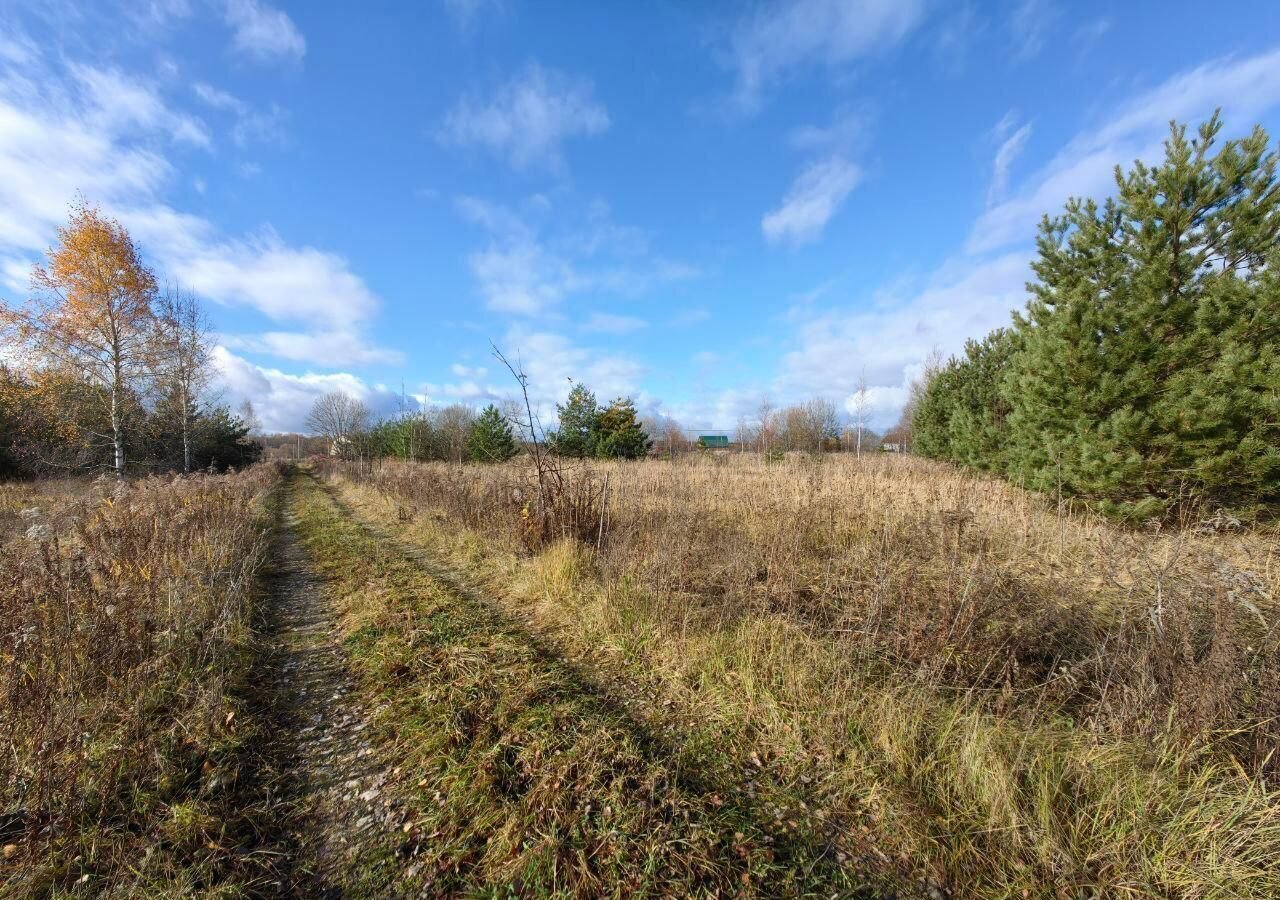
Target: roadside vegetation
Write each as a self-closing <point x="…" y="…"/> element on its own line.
<point x="125" y="648"/>
<point x="1004" y="697"/>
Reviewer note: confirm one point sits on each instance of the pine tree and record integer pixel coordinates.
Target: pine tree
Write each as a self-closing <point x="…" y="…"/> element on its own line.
<point x="1147" y="364"/>
<point x="491" y="438"/>
<point x="577" y="431"/>
<point x="619" y="433"/>
<point x="978" y="425"/>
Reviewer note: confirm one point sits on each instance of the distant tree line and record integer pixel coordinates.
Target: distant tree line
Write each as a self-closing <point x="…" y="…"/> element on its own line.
<point x="1144" y="373"/>
<point x="102" y="369"/>
<point x="456" y="433"/>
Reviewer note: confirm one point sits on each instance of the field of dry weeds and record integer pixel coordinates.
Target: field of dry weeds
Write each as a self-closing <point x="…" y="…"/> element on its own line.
<point x="125" y="639"/>
<point x="1005" y="698"/>
<point x="719" y="674"/>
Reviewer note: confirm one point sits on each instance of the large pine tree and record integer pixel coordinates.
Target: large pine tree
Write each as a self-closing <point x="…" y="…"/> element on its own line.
<point x="1145" y="370"/>
<point x="1148" y="367"/>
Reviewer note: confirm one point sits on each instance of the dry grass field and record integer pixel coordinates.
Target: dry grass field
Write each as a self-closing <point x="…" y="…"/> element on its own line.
<point x="714" y="676"/>
<point x="991" y="695"/>
<point x="125" y="640"/>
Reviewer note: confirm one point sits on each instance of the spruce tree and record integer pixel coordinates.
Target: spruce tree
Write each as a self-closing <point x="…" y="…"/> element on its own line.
<point x="491" y="439"/>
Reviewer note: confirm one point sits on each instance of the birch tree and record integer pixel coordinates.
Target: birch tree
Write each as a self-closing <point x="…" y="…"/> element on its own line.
<point x="91" y="314"/>
<point x="184" y="359"/>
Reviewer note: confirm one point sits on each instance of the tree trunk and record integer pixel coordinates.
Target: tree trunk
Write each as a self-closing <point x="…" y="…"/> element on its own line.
<point x="117" y="434"/>
<point x="186" y="433"/>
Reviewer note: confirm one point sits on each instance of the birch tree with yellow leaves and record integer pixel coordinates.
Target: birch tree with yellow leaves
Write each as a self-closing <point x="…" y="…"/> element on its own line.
<point x="91" y="314"/>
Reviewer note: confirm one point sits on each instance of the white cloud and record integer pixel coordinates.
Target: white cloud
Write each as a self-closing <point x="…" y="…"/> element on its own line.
<point x="1011" y="147"/>
<point x="879" y="402"/>
<point x="251" y="125"/>
<point x="57" y="140"/>
<point x="522" y="277"/>
<point x="114" y="102"/>
<point x="100" y="134"/>
<point x="1092" y="31"/>
<point x="282" y="400"/>
<point x="780" y="38"/>
<point x="462" y="371"/>
<point x="18" y="49"/>
<point x="609" y="323"/>
<point x="15" y="274"/>
<point x="263" y="32"/>
<point x="969" y="296"/>
<point x="152" y="15"/>
<point x="467" y="13"/>
<point x="218" y="99"/>
<point x="691" y="316"/>
<point x="888" y="338"/>
<point x="1243" y="88"/>
<point x="340" y="347"/>
<point x="552" y="363"/>
<point x="528" y="119"/>
<point x="846" y="130"/>
<point x="813" y="199"/>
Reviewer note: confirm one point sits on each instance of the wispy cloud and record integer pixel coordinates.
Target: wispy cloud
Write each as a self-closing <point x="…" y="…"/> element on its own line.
<point x="1012" y="141"/>
<point x="250" y="125"/>
<point x="814" y="197"/>
<point x="467" y="14"/>
<point x="1029" y="26"/>
<point x="102" y="134"/>
<point x="847" y="130"/>
<point x="281" y="399"/>
<point x="1243" y="88"/>
<point x="777" y="39"/>
<point x="552" y="363"/>
<point x="527" y="120"/>
<point x="113" y="101"/>
<point x="528" y="267"/>
<point x="1092" y="31"/>
<point x="264" y="33"/>
<point x="887" y="335"/>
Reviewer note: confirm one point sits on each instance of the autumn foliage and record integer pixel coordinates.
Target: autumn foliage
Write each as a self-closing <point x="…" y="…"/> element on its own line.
<point x="104" y="364"/>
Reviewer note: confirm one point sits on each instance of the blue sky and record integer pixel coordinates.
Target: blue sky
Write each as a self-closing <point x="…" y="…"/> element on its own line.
<point x="697" y="205"/>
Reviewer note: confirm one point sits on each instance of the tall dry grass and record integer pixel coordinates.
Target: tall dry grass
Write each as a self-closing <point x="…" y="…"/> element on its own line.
<point x="1022" y="698"/>
<point x="124" y="639"/>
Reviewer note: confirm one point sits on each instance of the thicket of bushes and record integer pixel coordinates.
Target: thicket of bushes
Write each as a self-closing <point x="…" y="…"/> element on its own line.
<point x="54" y="423"/>
<point x="1144" y="373"/>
